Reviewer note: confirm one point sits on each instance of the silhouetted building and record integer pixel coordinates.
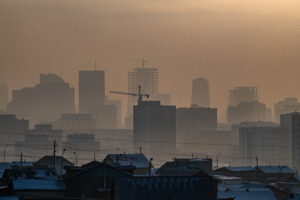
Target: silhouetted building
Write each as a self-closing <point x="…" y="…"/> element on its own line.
<point x="192" y="122"/>
<point x="3" y="97"/>
<point x="12" y="129"/>
<point x="242" y="94"/>
<point x="39" y="141"/>
<point x="139" y="161"/>
<point x="83" y="145"/>
<point x="248" y="111"/>
<point x="44" y="102"/>
<point x="291" y="123"/>
<point x="76" y="122"/>
<point x="288" y="105"/>
<point x="105" y="116"/>
<point x="200" y="92"/>
<point x="147" y="78"/>
<point x="263" y="145"/>
<point x="118" y="105"/>
<point x="154" y="128"/>
<point x="91" y="90"/>
<point x="48" y="162"/>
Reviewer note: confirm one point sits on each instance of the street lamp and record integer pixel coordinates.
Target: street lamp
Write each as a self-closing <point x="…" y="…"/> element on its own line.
<point x="76" y="158"/>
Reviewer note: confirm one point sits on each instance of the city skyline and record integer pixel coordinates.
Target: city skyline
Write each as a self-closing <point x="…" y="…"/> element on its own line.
<point x="252" y="45"/>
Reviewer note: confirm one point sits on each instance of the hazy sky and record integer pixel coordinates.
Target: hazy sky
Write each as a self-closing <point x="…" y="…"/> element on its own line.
<point x="230" y="42"/>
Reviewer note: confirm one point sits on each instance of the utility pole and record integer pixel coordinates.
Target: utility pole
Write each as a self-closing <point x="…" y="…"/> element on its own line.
<point x="140" y="150"/>
<point x="256" y="158"/>
<point x="62" y="161"/>
<point x="76" y="159"/>
<point x="54" y="154"/>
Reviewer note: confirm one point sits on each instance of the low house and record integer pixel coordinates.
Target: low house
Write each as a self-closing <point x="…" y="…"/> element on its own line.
<point x="273" y="174"/>
<point x="48" y="162"/>
<point x="165" y="188"/>
<point x="247" y="173"/>
<point x="185" y="167"/>
<point x="249" y="191"/>
<point x="139" y="161"/>
<point x="93" y="181"/>
<point x="33" y="183"/>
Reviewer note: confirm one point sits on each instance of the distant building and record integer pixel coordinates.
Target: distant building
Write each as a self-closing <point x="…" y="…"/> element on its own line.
<point x="154" y="128"/>
<point x="248" y="111"/>
<point x="139" y="161"/>
<point x="262" y="145"/>
<point x="147" y="78"/>
<point x="242" y="94"/>
<point x="192" y="122"/>
<point x="45" y="102"/>
<point x="105" y="116"/>
<point x="3" y="97"/>
<point x="12" y="129"/>
<point x="39" y="141"/>
<point x="118" y="105"/>
<point x="200" y="92"/>
<point x="165" y="99"/>
<point x="291" y="124"/>
<point x="91" y="90"/>
<point x="76" y="122"/>
<point x="288" y="105"/>
<point x="83" y="145"/>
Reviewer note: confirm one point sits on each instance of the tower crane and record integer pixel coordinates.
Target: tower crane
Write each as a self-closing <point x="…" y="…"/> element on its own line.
<point x="139" y="94"/>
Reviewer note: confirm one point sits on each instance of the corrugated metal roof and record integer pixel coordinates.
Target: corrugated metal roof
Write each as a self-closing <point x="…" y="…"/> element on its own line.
<point x="256" y="195"/>
<point x="137" y="160"/>
<point x="276" y="169"/>
<point x="38" y="184"/>
<point x="235" y="169"/>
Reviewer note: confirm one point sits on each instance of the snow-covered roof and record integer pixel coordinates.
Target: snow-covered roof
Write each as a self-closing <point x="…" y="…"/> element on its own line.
<point x="137" y="160"/>
<point x="235" y="169"/>
<point x="38" y="184"/>
<point x="276" y="169"/>
<point x="250" y="191"/>
<point x="256" y="195"/>
<point x="9" y="198"/>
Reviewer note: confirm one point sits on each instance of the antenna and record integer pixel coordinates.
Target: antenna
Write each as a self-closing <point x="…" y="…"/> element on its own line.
<point x="54" y="153"/>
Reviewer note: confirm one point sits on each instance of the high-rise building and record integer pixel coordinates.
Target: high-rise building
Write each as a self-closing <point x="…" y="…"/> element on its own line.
<point x="263" y="145"/>
<point x="200" y="92"/>
<point x="45" y="102"/>
<point x="192" y="123"/>
<point x="288" y="105"/>
<point x="147" y="78"/>
<point x="165" y="99"/>
<point x="291" y="124"/>
<point x="118" y="104"/>
<point x="248" y="111"/>
<point x="154" y="128"/>
<point x="91" y="90"/>
<point x="242" y="94"/>
<point x="3" y="97"/>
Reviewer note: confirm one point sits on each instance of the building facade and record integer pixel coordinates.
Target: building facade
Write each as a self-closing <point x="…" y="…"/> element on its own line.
<point x="200" y="92"/>
<point x="91" y="90"/>
<point x="45" y="102"/>
<point x="154" y="128"/>
<point x="288" y="105"/>
<point x="291" y="124"/>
